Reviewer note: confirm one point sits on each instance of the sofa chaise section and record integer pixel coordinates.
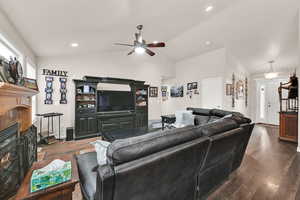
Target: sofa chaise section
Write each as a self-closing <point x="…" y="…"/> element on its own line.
<point x="177" y="164"/>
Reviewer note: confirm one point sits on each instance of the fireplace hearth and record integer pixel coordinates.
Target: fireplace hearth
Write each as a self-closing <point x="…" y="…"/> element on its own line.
<point x="9" y="161"/>
<point x="17" y="153"/>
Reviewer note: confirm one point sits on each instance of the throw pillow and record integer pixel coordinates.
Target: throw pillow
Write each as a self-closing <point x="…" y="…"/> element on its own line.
<point x="101" y="149"/>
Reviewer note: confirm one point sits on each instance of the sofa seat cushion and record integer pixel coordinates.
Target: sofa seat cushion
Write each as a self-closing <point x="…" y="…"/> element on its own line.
<point x="219" y="126"/>
<point x="86" y="167"/>
<point x="213" y="119"/>
<point x="124" y="150"/>
<point x="200" y="120"/>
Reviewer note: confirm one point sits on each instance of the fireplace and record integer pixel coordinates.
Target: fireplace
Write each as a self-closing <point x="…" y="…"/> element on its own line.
<point x="18" y="137"/>
<point x="10" y="159"/>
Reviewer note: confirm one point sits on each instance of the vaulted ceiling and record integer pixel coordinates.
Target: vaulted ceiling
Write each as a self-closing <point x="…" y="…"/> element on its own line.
<point x="254" y="31"/>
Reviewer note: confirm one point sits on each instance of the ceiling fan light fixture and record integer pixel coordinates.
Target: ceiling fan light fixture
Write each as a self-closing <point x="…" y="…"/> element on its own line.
<point x="139" y="50"/>
<point x="271" y="74"/>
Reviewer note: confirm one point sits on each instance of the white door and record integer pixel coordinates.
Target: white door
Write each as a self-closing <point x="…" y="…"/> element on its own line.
<point x="268" y="101"/>
<point x="212" y="92"/>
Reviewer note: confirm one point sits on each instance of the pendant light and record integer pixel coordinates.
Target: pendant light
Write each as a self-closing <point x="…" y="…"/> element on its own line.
<point x="271" y="74"/>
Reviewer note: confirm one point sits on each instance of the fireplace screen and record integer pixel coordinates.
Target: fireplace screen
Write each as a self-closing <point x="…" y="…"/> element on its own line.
<point x="9" y="161"/>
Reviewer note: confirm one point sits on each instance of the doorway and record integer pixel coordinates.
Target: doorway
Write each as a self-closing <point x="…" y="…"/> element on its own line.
<point x="268" y="100"/>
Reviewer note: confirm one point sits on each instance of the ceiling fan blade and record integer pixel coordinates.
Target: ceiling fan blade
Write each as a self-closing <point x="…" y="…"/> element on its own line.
<point x="131" y="52"/>
<point x="159" y="44"/>
<point x="129" y="45"/>
<point x="149" y="52"/>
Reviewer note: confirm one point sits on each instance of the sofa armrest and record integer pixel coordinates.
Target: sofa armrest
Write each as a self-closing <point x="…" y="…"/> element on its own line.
<point x="105" y="183"/>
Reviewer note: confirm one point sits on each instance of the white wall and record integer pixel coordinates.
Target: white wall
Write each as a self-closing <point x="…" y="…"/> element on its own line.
<point x="10" y="33"/>
<point x="117" y="64"/>
<point x="211" y="64"/>
<point x="217" y="63"/>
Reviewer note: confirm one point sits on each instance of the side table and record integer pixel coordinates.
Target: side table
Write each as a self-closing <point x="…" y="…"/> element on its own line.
<point x="47" y="138"/>
<point x="62" y="191"/>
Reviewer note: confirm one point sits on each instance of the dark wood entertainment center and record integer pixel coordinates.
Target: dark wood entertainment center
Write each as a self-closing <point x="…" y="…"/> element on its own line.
<point x="90" y="122"/>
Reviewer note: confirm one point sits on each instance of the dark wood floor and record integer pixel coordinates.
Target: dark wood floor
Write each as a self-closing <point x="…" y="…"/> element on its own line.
<point x="270" y="169"/>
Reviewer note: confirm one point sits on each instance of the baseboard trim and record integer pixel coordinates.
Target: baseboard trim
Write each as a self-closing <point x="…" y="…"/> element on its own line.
<point x="298" y="149"/>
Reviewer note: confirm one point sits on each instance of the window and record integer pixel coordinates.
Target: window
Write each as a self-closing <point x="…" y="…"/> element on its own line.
<point x="6" y="52"/>
<point x="31" y="73"/>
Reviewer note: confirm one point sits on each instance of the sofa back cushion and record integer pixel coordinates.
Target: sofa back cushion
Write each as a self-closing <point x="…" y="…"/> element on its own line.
<point x="121" y="151"/>
<point x="218" y="126"/>
<point x="223" y="113"/>
<point x="200" y="111"/>
<point x="170" y="174"/>
<point x="241" y="119"/>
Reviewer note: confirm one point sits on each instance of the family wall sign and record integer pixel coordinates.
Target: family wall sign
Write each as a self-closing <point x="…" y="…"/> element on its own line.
<point x="49" y="85"/>
<point x="50" y="72"/>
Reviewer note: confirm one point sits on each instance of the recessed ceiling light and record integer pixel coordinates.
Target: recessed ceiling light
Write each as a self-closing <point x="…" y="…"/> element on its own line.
<point x="74" y="44"/>
<point x="209" y="8"/>
<point x="207" y="43"/>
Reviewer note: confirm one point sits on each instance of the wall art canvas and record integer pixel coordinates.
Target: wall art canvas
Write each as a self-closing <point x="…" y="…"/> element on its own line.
<point x="49" y="90"/>
<point x="240" y="89"/>
<point x="229" y="89"/>
<point x="177" y="91"/>
<point x="63" y="90"/>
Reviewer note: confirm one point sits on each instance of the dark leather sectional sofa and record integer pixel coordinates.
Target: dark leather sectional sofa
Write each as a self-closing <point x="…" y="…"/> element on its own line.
<point x="178" y="164"/>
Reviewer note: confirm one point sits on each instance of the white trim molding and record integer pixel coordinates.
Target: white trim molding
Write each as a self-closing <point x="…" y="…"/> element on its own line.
<point x="298" y="148"/>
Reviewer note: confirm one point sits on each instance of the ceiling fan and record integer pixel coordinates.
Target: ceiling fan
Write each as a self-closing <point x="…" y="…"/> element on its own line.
<point x="140" y="46"/>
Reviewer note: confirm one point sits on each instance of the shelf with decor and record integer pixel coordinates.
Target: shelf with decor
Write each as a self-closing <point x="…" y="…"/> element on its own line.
<point x="141" y="97"/>
<point x="289" y="106"/>
<point x="85" y="98"/>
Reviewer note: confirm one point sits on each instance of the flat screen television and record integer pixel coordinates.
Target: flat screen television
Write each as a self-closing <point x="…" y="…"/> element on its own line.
<point x="115" y="101"/>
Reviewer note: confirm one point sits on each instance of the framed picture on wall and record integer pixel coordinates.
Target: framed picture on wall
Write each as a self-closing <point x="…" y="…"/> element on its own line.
<point x="194" y="85"/>
<point x="153" y="91"/>
<point x="189" y="86"/>
<point x="177" y="91"/>
<point x="31" y="84"/>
